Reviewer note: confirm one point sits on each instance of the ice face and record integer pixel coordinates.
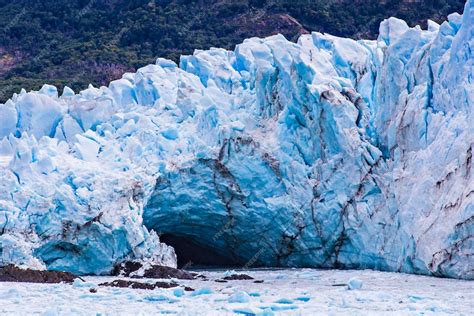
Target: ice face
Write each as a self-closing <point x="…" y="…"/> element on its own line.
<point x="328" y="153"/>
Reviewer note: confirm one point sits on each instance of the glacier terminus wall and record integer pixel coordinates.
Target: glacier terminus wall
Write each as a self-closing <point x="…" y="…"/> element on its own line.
<point x="328" y="152"/>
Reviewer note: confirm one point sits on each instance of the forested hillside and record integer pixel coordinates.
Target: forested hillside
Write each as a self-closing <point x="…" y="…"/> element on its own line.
<point x="78" y="42"/>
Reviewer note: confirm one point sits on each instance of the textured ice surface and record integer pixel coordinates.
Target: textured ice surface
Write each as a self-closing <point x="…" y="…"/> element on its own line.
<point x="328" y="153"/>
<point x="302" y="292"/>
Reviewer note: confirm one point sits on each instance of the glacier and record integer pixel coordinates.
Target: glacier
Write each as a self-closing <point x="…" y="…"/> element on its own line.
<point x="327" y="153"/>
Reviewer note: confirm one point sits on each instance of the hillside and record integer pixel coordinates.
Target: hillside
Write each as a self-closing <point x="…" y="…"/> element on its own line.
<point x="79" y="42"/>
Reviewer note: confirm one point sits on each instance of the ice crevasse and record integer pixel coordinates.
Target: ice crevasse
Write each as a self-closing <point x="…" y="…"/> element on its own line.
<point x="327" y="152"/>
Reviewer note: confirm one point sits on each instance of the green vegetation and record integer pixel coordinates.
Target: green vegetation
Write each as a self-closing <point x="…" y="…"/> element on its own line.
<point x="77" y="42"/>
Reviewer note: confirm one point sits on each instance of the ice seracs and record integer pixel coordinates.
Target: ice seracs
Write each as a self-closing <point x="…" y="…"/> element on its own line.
<point x="327" y="152"/>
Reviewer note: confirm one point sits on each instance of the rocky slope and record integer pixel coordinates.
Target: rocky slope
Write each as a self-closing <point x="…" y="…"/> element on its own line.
<point x="78" y="42"/>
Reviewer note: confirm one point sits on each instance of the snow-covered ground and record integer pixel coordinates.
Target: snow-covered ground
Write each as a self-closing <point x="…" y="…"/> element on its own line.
<point x="283" y="292"/>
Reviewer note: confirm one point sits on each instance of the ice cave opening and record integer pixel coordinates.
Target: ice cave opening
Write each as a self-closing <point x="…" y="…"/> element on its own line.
<point x="195" y="255"/>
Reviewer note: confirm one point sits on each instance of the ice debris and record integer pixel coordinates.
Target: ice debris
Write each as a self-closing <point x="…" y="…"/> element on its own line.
<point x="354" y="284"/>
<point x="239" y="297"/>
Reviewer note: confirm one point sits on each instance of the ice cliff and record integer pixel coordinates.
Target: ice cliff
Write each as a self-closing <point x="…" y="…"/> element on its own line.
<point x="328" y="153"/>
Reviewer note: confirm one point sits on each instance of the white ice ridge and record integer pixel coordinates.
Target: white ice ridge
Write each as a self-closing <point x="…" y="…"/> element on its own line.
<point x="328" y="153"/>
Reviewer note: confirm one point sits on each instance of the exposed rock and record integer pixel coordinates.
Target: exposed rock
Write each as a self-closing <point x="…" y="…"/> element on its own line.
<point x="139" y="285"/>
<point x="131" y="269"/>
<point x="126" y="268"/>
<point x="161" y="272"/>
<point x="202" y="277"/>
<point x="238" y="277"/>
<point x="11" y="273"/>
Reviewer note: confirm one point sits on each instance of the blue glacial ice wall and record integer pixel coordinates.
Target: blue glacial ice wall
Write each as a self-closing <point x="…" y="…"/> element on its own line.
<point x="328" y="153"/>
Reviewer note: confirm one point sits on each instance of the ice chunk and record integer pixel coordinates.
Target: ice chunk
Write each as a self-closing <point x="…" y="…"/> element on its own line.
<point x="68" y="128"/>
<point x="8" y="119"/>
<point x="171" y="134"/>
<point x="159" y="298"/>
<point x="6" y="152"/>
<point x="354" y="284"/>
<point x="284" y="301"/>
<point x="239" y="297"/>
<point x="49" y="90"/>
<point x="78" y="283"/>
<point x="67" y="92"/>
<point x="166" y="63"/>
<point x="246" y="311"/>
<point x="39" y="114"/>
<point x="87" y="148"/>
<point x="279" y="308"/>
<point x="178" y="292"/>
<point x="202" y="291"/>
<point x="10" y="294"/>
<point x="392" y="29"/>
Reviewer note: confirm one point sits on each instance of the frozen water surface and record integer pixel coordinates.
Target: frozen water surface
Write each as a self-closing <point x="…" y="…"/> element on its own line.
<point x="325" y="153"/>
<point x="284" y="292"/>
